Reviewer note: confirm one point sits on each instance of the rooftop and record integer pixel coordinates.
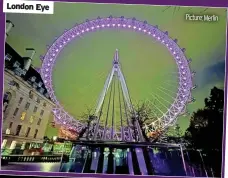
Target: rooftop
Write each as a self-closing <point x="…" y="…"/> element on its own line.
<point x="16" y="63"/>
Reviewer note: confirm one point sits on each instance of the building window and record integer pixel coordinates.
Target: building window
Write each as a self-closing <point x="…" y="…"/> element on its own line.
<point x="6" y="99"/>
<point x="8" y="57"/>
<point x="13" y="145"/>
<point x="27" y="132"/>
<point x="35" y="109"/>
<point x="10" y="125"/>
<point x="36" y="132"/>
<point x="8" y="131"/>
<point x="42" y="113"/>
<point x="5" y="105"/>
<point x="20" y="100"/>
<point x="18" y="130"/>
<point x="15" y="84"/>
<point x="31" y="119"/>
<point x="23" y="145"/>
<point x="27" y="106"/>
<point x="38" y="100"/>
<point x="7" y="96"/>
<point x="39" y="121"/>
<point x="44" y="104"/>
<point x="3" y="143"/>
<point x="23" y="116"/>
<point x="16" y="111"/>
<point x="31" y="95"/>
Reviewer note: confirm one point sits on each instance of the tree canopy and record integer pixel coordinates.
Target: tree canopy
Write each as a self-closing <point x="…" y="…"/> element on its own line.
<point x="205" y="131"/>
<point x="206" y="125"/>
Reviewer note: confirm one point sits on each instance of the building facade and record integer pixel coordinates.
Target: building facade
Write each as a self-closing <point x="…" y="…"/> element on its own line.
<point x="26" y="113"/>
<point x="27" y="106"/>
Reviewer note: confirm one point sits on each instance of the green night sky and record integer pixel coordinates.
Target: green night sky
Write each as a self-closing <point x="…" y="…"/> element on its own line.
<point x="82" y="68"/>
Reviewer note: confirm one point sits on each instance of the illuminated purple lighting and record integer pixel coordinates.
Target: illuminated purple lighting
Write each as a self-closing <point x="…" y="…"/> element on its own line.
<point x="185" y="77"/>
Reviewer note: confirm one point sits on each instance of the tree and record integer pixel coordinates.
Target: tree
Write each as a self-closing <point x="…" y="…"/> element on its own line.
<point x="177" y="131"/>
<point x="205" y="131"/>
<point x="144" y="113"/>
<point x="206" y="125"/>
<point x="88" y="117"/>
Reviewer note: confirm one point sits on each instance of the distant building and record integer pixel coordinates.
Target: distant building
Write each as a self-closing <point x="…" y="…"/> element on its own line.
<point x="27" y="106"/>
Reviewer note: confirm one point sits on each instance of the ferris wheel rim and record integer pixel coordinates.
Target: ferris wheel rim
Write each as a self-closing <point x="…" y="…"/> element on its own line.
<point x="183" y="95"/>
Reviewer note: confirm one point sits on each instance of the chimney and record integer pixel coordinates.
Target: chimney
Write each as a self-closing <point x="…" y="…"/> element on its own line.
<point x="30" y="52"/>
<point x="9" y="26"/>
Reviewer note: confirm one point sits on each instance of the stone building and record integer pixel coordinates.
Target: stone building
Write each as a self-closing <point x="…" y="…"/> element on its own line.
<point x="27" y="106"/>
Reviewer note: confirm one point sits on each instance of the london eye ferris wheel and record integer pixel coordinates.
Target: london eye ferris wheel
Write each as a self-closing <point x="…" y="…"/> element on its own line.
<point x="126" y="130"/>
